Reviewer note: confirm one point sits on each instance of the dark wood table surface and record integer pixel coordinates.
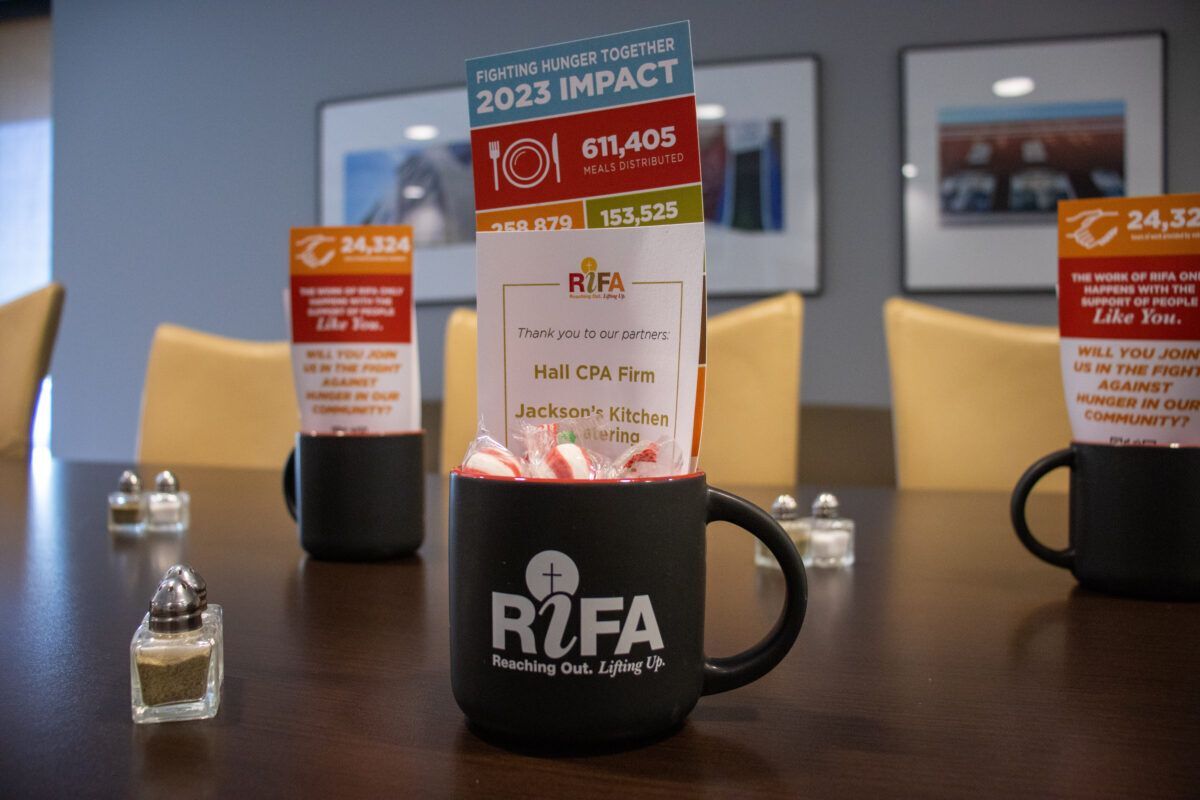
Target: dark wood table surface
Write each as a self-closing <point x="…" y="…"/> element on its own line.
<point x="947" y="663"/>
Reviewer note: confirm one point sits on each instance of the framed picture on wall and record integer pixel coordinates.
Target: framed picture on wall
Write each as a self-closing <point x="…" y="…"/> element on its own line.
<point x="994" y="135"/>
<point x="406" y="158"/>
<point x="760" y="171"/>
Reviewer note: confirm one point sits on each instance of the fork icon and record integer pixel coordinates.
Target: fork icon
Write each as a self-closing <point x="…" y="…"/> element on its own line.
<point x="494" y="153"/>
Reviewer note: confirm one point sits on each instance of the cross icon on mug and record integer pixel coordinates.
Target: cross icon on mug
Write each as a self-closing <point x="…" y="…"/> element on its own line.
<point x="552" y="575"/>
<point x="551" y="572"/>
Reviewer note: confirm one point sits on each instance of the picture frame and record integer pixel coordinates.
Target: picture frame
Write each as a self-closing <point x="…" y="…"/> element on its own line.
<point x="405" y="158"/>
<point x="994" y="134"/>
<point x="776" y="249"/>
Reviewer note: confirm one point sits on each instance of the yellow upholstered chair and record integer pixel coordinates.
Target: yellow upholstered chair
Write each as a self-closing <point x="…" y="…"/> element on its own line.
<point x="974" y="401"/>
<point x="460" y="415"/>
<point x="28" y="327"/>
<point x="214" y="401"/>
<point x="752" y="396"/>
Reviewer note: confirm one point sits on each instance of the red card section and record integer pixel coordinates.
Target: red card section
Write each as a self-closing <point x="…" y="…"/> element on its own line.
<point x="586" y="155"/>
<point x="351" y="308"/>
<point x="1148" y="297"/>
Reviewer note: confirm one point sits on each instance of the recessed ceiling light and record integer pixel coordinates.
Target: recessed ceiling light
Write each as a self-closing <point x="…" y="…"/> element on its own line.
<point x="710" y="111"/>
<point x="909" y="170"/>
<point x="1016" y="86"/>
<point x="421" y="133"/>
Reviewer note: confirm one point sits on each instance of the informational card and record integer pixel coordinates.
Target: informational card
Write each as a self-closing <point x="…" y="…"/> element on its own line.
<point x="594" y="141"/>
<point x="1129" y="316"/>
<point x="595" y="133"/>
<point x="592" y="324"/>
<point x="353" y="349"/>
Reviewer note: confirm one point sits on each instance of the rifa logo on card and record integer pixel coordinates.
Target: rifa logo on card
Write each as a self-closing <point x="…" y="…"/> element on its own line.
<point x="553" y="579"/>
<point x="589" y="283"/>
<point x="315" y="250"/>
<point x="1093" y="228"/>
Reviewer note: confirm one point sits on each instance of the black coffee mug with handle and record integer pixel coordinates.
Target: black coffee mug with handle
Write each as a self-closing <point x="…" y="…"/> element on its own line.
<point x="357" y="498"/>
<point x="1134" y="519"/>
<point x="577" y="607"/>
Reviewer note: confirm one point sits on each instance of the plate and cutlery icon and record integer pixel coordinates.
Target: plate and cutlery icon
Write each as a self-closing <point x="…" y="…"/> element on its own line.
<point x="525" y="163"/>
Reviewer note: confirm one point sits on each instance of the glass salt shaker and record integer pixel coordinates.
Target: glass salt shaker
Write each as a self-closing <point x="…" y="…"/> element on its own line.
<point x="211" y="614"/>
<point x="786" y="512"/>
<point x="173" y="669"/>
<point x="127" y="506"/>
<point x="169" y="508"/>
<point x="832" y="535"/>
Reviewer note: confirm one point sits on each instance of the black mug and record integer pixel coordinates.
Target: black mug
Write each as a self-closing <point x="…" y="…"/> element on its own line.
<point x="357" y="497"/>
<point x="1134" y="519"/>
<point x="577" y="607"/>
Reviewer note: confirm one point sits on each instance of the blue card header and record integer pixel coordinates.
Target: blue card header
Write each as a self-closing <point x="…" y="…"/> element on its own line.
<point x="583" y="75"/>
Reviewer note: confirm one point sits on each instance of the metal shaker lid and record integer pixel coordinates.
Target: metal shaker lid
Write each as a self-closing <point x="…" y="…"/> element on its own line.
<point x="825" y="506"/>
<point x="785" y="507"/>
<point x="129" y="482"/>
<point x="166" y="482"/>
<point x="175" y="608"/>
<point x="192" y="578"/>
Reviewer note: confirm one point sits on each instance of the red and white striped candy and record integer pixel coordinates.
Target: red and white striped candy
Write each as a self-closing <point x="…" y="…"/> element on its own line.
<point x="493" y="461"/>
<point x="565" y="461"/>
<point x="642" y="463"/>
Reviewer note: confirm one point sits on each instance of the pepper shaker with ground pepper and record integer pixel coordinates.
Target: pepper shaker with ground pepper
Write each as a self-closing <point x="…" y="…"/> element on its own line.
<point x="173" y="659"/>
<point x="127" y="506"/>
<point x="211" y="614"/>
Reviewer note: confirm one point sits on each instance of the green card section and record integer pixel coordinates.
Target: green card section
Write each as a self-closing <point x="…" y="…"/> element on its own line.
<point x="657" y="207"/>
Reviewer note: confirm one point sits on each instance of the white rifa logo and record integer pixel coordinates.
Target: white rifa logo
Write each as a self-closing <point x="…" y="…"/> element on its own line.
<point x="315" y="250"/>
<point x="553" y="579"/>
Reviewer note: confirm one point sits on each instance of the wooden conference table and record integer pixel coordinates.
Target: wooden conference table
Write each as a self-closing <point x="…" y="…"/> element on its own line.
<point x="948" y="662"/>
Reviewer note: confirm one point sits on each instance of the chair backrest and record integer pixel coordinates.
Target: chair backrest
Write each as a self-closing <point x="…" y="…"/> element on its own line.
<point x="752" y="394"/>
<point x="974" y="401"/>
<point x="214" y="401"/>
<point x="28" y="328"/>
<point x="460" y="414"/>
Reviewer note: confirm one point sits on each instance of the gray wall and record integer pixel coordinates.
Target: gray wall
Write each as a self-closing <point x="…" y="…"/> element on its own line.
<point x="24" y="155"/>
<point x="185" y="149"/>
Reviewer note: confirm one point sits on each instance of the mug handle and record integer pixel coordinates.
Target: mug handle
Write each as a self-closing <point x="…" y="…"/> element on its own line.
<point x="289" y="483"/>
<point x="723" y="674"/>
<point x="1064" y="558"/>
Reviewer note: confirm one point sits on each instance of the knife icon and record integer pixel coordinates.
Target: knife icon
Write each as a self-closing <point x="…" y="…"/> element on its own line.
<point x="554" y="155"/>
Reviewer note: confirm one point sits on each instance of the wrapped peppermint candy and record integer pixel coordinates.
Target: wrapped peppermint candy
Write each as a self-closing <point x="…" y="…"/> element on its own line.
<point x="556" y="451"/>
<point x="486" y="456"/>
<point x="536" y="441"/>
<point x="566" y="460"/>
<point x="657" y="459"/>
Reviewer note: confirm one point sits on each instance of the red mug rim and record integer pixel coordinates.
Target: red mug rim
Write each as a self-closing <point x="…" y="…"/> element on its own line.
<point x="459" y="471"/>
<point x="359" y="434"/>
